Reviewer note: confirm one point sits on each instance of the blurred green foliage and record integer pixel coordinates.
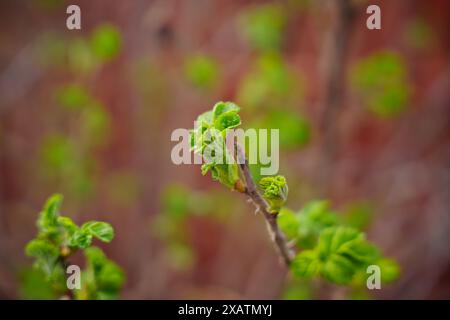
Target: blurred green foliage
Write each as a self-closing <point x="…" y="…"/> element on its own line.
<point x="106" y="42"/>
<point x="295" y="130"/>
<point x="381" y="82"/>
<point x="170" y="226"/>
<point x="51" y="49"/>
<point x="68" y="154"/>
<point x="419" y="35"/>
<point x="272" y="93"/>
<point x="179" y="204"/>
<point x="67" y="158"/>
<point x="123" y="188"/>
<point x="153" y="85"/>
<point x="73" y="96"/>
<point x="57" y="151"/>
<point x="269" y="84"/>
<point x="82" y="55"/>
<point x="263" y="26"/>
<point x="61" y="163"/>
<point x="202" y="71"/>
<point x="95" y="125"/>
<point x="302" y="4"/>
<point x="33" y="285"/>
<point x="49" y="4"/>
<point x="298" y="289"/>
<point x="57" y="239"/>
<point x="358" y="214"/>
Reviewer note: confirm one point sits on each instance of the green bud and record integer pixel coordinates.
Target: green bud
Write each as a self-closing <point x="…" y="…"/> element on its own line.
<point x="275" y="191"/>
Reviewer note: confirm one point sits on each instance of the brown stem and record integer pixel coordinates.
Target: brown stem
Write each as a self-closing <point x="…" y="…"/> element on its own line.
<point x="336" y="48"/>
<point x="271" y="218"/>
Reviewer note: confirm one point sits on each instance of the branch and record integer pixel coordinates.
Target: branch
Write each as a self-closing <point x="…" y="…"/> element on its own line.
<point x="336" y="47"/>
<point x="261" y="205"/>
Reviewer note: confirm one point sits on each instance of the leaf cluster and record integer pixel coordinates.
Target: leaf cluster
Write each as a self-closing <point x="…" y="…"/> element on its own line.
<point x="331" y="246"/>
<point x="208" y="139"/>
<point x="59" y="237"/>
<point x="331" y="249"/>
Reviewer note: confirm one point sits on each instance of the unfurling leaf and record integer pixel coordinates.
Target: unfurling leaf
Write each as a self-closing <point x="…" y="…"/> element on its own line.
<point x="101" y="230"/>
<point x="208" y="139"/>
<point x="81" y="239"/>
<point x="67" y="224"/>
<point x="50" y="212"/>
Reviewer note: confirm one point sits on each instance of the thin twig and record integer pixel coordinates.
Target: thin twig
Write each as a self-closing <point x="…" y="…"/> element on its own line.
<point x="336" y="48"/>
<point x="251" y="191"/>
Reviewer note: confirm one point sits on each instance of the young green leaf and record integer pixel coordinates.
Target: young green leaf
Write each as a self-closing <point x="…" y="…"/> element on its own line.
<point x="48" y="216"/>
<point x="81" y="239"/>
<point x="68" y="225"/>
<point x="225" y="115"/>
<point x="101" y="230"/>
